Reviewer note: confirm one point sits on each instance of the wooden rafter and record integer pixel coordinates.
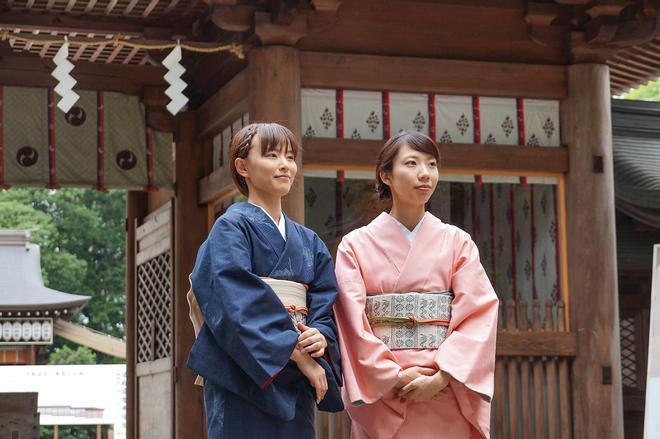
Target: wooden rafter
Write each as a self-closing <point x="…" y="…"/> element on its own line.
<point x="110" y="7"/>
<point x="32" y="71"/>
<point x="69" y="5"/>
<point x="129" y="7"/>
<point x="635" y="66"/>
<point x="150" y="7"/>
<point x="90" y="6"/>
<point x="67" y="23"/>
<point x="171" y="6"/>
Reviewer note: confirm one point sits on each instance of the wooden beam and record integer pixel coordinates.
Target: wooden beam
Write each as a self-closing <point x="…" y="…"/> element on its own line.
<point x="66" y="23"/>
<point x="96" y="340"/>
<point x="136" y="206"/>
<point x="361" y="154"/>
<point x="274" y="79"/>
<point x="239" y="18"/>
<point x="32" y="71"/>
<point x="536" y="344"/>
<point x="332" y="70"/>
<point x="225" y="106"/>
<point x="189" y="232"/>
<point x="586" y="128"/>
<point x="216" y="187"/>
<point x="270" y="33"/>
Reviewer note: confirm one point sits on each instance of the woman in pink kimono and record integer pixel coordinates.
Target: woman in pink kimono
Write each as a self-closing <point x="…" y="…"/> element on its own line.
<point x="417" y="315"/>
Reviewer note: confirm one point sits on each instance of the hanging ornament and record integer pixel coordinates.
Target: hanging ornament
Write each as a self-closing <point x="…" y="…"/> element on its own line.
<point x="66" y="82"/>
<point x="173" y="77"/>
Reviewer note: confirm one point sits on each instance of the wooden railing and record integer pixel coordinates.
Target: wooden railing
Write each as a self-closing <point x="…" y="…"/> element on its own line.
<point x="532" y="384"/>
<point x="532" y="377"/>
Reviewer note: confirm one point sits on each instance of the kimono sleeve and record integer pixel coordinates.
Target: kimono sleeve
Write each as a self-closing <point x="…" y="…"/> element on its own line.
<point x="468" y="352"/>
<point x="370" y="368"/>
<point x="321" y="297"/>
<point x="242" y="313"/>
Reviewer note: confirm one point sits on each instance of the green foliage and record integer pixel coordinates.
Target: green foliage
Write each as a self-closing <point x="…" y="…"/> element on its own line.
<point x="66" y="355"/>
<point x="71" y="432"/>
<point x="647" y="92"/>
<point x="81" y="234"/>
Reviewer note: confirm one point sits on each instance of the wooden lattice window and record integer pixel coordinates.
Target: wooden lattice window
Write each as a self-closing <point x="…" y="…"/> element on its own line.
<point x="154" y="308"/>
<point x="628" y="352"/>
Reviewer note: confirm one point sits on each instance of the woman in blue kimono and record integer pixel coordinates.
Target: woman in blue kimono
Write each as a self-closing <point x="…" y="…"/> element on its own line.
<point x="265" y="362"/>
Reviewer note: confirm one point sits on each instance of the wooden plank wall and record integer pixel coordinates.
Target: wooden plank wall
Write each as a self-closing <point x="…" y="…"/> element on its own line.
<point x="532" y="377"/>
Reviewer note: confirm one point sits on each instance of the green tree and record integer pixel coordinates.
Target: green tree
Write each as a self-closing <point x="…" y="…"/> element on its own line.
<point x="81" y="235"/>
<point x="66" y="355"/>
<point x="71" y="432"/>
<point x="648" y="92"/>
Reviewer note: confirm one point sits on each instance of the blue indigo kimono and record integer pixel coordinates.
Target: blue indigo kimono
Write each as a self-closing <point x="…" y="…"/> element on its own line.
<point x="252" y="389"/>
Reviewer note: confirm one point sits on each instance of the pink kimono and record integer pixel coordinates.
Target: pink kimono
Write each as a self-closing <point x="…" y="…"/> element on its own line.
<point x="379" y="258"/>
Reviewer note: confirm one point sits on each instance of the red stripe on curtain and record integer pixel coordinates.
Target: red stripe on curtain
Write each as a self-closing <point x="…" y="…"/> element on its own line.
<point x="52" y="155"/>
<point x="477" y="131"/>
<point x="432" y="133"/>
<point x="531" y="212"/>
<point x="100" y="142"/>
<point x="340" y="113"/>
<point x="477" y="119"/>
<point x="3" y="185"/>
<point x="520" y="110"/>
<point x="150" y="160"/>
<point x="386" y="115"/>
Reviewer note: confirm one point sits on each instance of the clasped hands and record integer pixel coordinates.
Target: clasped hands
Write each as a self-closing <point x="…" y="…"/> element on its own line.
<point x="311" y="344"/>
<point x="421" y="383"/>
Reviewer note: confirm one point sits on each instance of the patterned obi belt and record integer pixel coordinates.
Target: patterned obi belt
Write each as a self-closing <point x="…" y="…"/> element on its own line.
<point x="410" y="320"/>
<point x="293" y="296"/>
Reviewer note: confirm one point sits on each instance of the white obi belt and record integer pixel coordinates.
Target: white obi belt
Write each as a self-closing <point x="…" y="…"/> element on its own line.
<point x="410" y="320"/>
<point x="293" y="296"/>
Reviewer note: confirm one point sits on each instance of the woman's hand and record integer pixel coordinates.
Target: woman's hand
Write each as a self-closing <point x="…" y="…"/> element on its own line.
<point x="406" y="376"/>
<point x="313" y="371"/>
<point x="424" y="388"/>
<point x="311" y="341"/>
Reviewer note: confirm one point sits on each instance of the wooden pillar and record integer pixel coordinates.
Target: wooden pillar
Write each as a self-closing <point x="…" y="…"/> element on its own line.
<point x="31" y="352"/>
<point x="189" y="232"/>
<point x="274" y="78"/>
<point x="98" y="431"/>
<point x="56" y="431"/>
<point x="136" y="205"/>
<point x="587" y="130"/>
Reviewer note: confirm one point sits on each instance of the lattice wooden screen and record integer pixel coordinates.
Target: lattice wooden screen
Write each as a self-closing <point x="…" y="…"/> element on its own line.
<point x="154" y="323"/>
<point x="628" y="352"/>
<point x="154" y="288"/>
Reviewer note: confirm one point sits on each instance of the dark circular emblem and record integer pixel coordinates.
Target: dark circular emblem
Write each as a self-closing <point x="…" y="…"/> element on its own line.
<point x="126" y="160"/>
<point x="76" y="116"/>
<point x="27" y="156"/>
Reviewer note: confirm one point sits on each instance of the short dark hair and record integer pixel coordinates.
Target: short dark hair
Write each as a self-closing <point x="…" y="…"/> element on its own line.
<point x="271" y="137"/>
<point x="417" y="141"/>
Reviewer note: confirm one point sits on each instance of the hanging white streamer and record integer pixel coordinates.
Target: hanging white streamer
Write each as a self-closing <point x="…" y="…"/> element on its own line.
<point x="66" y="82"/>
<point x="173" y="77"/>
